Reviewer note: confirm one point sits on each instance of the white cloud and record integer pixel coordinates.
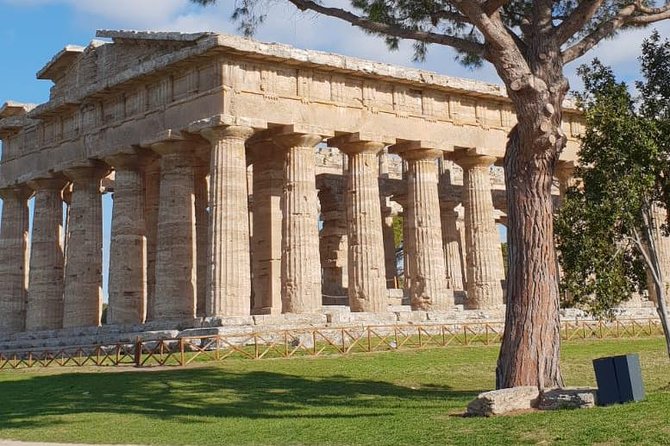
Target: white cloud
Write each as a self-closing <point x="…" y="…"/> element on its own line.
<point x="131" y="13"/>
<point x="287" y="25"/>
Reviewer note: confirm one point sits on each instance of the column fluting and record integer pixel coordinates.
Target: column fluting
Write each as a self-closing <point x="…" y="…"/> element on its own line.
<point x="229" y="276"/>
<point x="14" y="259"/>
<point x="483" y="254"/>
<point x="83" y="266"/>
<point x="152" y="181"/>
<point x="301" y="275"/>
<point x="366" y="266"/>
<point x="202" y="233"/>
<point x="128" y="251"/>
<point x="176" y="240"/>
<point x="268" y="183"/>
<point x="44" y="309"/>
<point x="427" y="289"/>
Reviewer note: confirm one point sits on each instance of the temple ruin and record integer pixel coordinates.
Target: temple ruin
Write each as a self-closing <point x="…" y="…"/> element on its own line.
<point x="250" y="180"/>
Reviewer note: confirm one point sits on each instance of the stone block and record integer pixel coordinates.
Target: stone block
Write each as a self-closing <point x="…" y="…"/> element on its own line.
<point x="412" y="316"/>
<point x="291" y="319"/>
<point x="502" y="401"/>
<point x="442" y="316"/>
<point x="363" y="318"/>
<point x="567" y="398"/>
<point x="226" y="321"/>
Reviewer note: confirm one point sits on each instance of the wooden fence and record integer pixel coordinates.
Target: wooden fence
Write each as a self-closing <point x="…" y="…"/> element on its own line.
<point x="303" y="342"/>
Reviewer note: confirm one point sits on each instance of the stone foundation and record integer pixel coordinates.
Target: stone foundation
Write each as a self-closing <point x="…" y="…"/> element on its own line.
<point x="330" y="317"/>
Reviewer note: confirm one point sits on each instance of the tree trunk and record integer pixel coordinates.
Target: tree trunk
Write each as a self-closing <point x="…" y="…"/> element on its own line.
<point x="662" y="311"/>
<point x="530" y="351"/>
<point x="653" y="260"/>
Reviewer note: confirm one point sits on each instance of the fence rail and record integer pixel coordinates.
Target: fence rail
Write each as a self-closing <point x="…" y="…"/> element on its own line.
<point x="303" y="342"/>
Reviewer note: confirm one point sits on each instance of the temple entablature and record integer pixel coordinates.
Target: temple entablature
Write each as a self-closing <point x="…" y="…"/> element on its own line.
<point x="111" y="94"/>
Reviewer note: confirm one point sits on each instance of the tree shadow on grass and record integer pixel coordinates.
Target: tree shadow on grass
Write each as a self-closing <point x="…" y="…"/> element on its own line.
<point x="210" y="392"/>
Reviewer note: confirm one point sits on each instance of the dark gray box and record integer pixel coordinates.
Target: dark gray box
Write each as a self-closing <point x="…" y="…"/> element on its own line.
<point x="619" y="379"/>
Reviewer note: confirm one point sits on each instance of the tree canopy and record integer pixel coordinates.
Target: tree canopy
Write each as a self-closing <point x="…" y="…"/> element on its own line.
<point x="610" y="225"/>
<point x="476" y="29"/>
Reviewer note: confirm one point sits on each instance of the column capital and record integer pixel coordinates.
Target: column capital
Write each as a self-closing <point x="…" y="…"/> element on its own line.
<point x="466" y="161"/>
<point x="171" y="142"/>
<point x="19" y="191"/>
<point x="92" y="170"/>
<point x="131" y="159"/>
<point x="215" y="134"/>
<point x="54" y="183"/>
<point x="289" y="140"/>
<point x="354" y="143"/>
<point x="416" y="151"/>
<point x="564" y="172"/>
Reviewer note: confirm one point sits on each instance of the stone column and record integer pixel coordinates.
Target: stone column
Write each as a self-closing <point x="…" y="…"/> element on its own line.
<point x="366" y="268"/>
<point x="14" y="259"/>
<point x="451" y="241"/>
<point x="450" y="236"/>
<point x="428" y="289"/>
<point x="229" y="278"/>
<point x="201" y="233"/>
<point x="152" y="180"/>
<point x="565" y="175"/>
<point x="333" y="244"/>
<point x="45" y="291"/>
<point x="301" y="275"/>
<point x="268" y="183"/>
<point x="483" y="254"/>
<point x="176" y="240"/>
<point x="389" y="244"/>
<point x="83" y="266"/>
<point x="128" y="251"/>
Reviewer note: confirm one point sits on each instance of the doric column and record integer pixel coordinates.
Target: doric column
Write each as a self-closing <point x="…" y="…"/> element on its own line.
<point x="389" y="244"/>
<point x="176" y="240"/>
<point x="450" y="236"/>
<point x="229" y="278"/>
<point x="333" y="244"/>
<point x="451" y="241"/>
<point x="202" y="233"/>
<point x="128" y="251"/>
<point x="301" y="275"/>
<point x="152" y="180"/>
<point x="427" y="289"/>
<point x="366" y="268"/>
<point x="268" y="183"/>
<point x="14" y="259"/>
<point x="565" y="175"/>
<point x="483" y="254"/>
<point x="83" y="266"/>
<point x="45" y="289"/>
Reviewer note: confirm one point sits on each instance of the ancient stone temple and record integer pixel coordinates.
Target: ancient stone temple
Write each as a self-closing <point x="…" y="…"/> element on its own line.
<point x="249" y="179"/>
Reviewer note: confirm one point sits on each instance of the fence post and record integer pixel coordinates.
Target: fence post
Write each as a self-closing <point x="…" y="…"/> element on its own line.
<point x="138" y="352"/>
<point x="181" y="352"/>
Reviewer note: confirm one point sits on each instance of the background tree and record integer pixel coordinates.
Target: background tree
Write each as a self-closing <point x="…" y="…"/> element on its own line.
<point x="609" y="227"/>
<point x="528" y="43"/>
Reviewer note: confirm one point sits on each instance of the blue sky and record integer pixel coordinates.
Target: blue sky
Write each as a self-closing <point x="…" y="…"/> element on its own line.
<point x="34" y="30"/>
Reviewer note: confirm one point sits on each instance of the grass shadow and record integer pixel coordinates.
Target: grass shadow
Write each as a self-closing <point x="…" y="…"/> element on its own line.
<point x="209" y="393"/>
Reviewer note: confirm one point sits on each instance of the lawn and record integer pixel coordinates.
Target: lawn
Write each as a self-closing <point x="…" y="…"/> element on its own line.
<point x="395" y="398"/>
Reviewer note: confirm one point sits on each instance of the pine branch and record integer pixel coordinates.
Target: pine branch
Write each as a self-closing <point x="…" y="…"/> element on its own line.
<point x="634" y="14"/>
<point x="577" y="19"/>
<point x="391" y="29"/>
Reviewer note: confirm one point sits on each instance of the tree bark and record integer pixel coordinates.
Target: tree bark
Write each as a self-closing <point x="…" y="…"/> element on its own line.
<point x="653" y="260"/>
<point x="530" y="351"/>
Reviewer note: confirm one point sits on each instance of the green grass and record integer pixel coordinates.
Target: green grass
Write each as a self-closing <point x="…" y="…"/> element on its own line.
<point x="411" y="397"/>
